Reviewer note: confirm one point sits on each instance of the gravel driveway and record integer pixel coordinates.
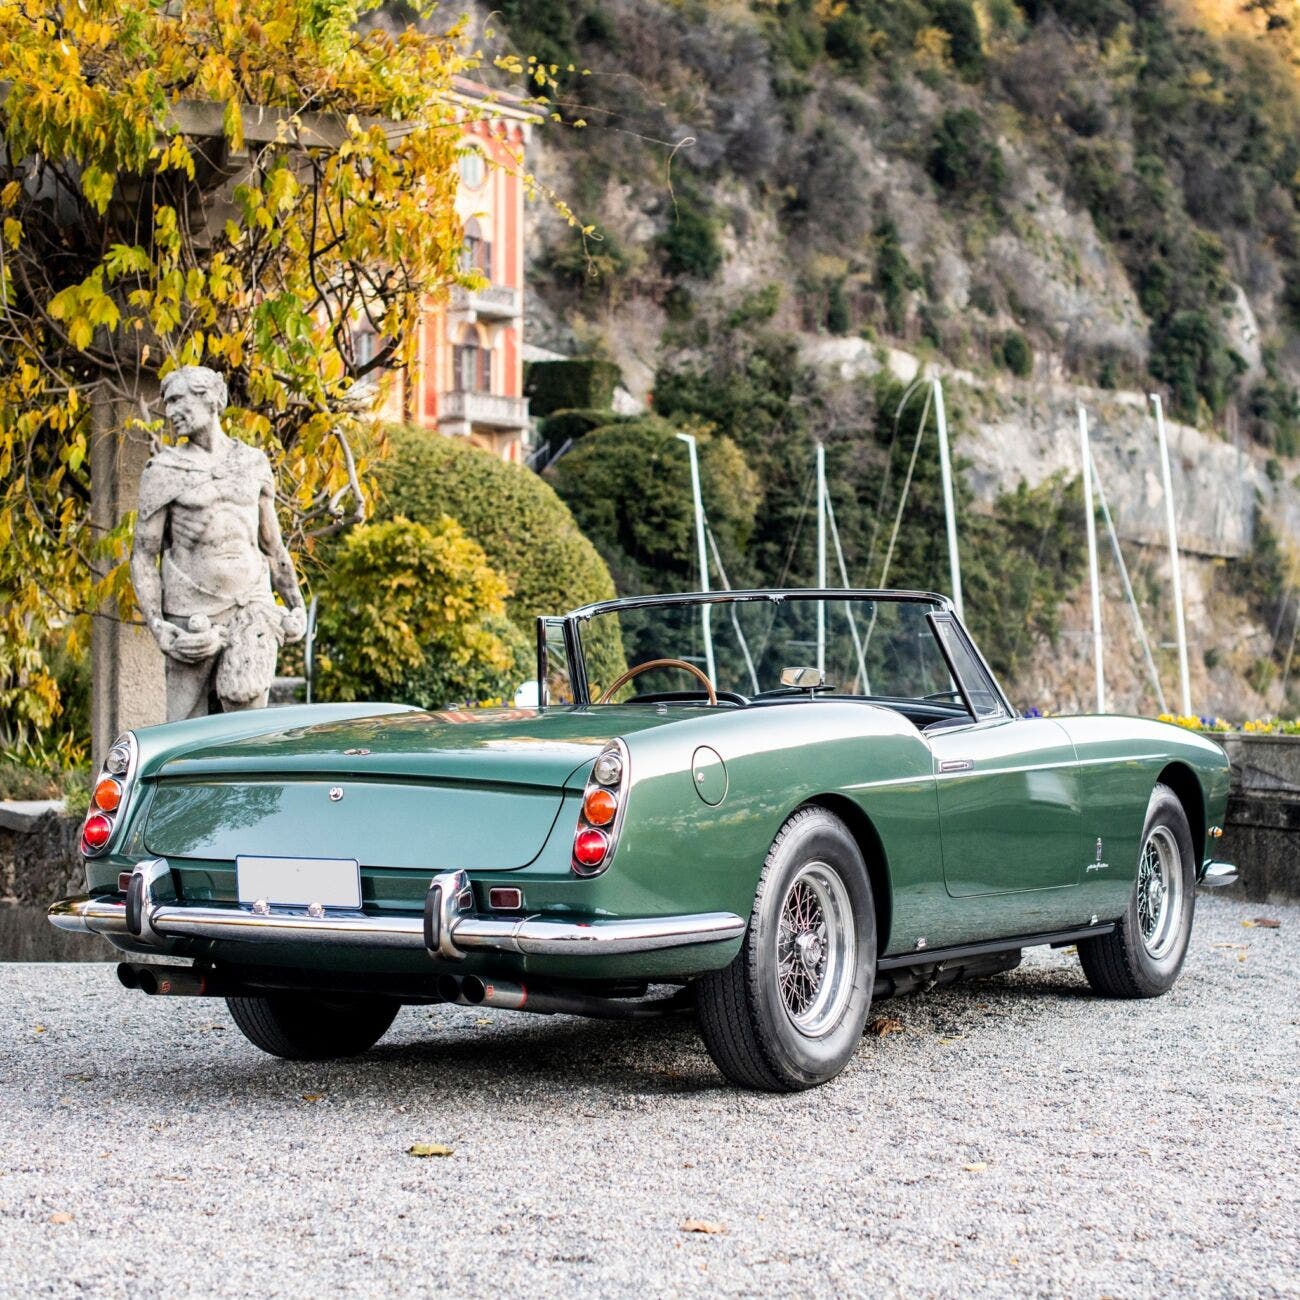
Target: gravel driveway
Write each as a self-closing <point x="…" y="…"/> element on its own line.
<point x="1013" y="1136"/>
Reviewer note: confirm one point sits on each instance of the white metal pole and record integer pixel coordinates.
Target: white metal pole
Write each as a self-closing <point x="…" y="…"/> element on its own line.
<point x="1180" y="627"/>
<point x="706" y="611"/>
<point x="949" y="508"/>
<point x="821" y="556"/>
<point x="1128" y="588"/>
<point x="1094" y="582"/>
<point x="848" y="609"/>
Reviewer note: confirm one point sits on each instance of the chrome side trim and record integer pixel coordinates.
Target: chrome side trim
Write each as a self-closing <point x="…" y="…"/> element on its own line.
<point x="529" y="935"/>
<point x="1217" y="875"/>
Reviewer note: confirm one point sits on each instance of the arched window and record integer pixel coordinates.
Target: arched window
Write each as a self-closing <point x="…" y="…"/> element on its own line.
<point x="477" y="252"/>
<point x="471" y="364"/>
<point x="473" y="168"/>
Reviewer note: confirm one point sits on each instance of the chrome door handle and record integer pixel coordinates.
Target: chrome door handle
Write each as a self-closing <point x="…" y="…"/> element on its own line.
<point x="956" y="765"/>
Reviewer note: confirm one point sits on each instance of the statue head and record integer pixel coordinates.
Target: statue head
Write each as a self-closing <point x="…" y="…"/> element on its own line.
<point x="193" y="399"/>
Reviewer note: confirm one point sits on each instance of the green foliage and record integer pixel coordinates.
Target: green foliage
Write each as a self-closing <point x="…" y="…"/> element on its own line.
<point x="415" y="614"/>
<point x="527" y="533"/>
<point x="690" y="242"/>
<point x="629" y="488"/>
<point x="552" y="386"/>
<point x="561" y="426"/>
<point x="1014" y="353"/>
<point x="957" y="18"/>
<point x="1192" y="357"/>
<point x="964" y="160"/>
<point x="838" y="319"/>
<point x="894" y="279"/>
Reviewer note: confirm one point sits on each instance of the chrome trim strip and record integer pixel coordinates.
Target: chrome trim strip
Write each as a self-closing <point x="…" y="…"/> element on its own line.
<point x="529" y="935"/>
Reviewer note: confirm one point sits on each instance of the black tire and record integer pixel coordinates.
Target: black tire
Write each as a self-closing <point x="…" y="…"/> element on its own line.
<point x="745" y="1018"/>
<point x="1141" y="958"/>
<point x="311" y="1026"/>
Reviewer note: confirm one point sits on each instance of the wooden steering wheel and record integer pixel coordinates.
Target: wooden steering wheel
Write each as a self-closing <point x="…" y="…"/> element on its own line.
<point x="626" y="677"/>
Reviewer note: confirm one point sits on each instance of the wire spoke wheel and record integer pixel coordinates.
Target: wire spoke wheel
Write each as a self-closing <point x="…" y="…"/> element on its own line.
<point x="816" y="949"/>
<point x="1159" y="891"/>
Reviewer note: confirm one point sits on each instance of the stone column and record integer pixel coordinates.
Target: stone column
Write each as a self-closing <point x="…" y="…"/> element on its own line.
<point x="128" y="687"/>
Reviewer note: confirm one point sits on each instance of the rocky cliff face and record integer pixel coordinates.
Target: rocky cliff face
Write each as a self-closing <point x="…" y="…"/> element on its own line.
<point x="1113" y="189"/>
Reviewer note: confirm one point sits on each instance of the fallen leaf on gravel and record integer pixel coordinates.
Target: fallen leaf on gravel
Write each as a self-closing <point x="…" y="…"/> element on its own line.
<point x="61" y="1217"/>
<point x="38" y="1029"/>
<point x="703" y="1225"/>
<point x="1241" y="956"/>
<point x="311" y="1096"/>
<point x="955" y="1038"/>
<point x="975" y="1167"/>
<point x="429" y="1149"/>
<point x="1236" y="947"/>
<point x="1263" y="923"/>
<point x="484" y="1020"/>
<point x="884" y="1025"/>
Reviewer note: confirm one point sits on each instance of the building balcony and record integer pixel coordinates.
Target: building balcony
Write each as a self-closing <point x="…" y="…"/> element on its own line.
<point x="483" y="411"/>
<point x="492" y="302"/>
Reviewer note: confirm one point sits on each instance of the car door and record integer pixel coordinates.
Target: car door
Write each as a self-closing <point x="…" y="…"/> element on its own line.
<point x="1010" y="813"/>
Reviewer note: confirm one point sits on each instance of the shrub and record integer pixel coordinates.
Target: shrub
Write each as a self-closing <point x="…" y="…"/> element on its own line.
<point x="527" y="533"/>
<point x="415" y="614"/>
<point x="690" y="244"/>
<point x="894" y="278"/>
<point x="629" y="487"/>
<point x="966" y="49"/>
<point x="963" y="160"/>
<point x="561" y="426"/>
<point x="565" y="385"/>
<point x="838" y="320"/>
<point x="1013" y="352"/>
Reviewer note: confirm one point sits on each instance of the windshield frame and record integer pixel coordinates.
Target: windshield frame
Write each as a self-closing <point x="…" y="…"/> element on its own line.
<point x="938" y="604"/>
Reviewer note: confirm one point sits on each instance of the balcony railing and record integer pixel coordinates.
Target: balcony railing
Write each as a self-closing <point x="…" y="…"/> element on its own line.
<point x="488" y="410"/>
<point x="493" y="302"/>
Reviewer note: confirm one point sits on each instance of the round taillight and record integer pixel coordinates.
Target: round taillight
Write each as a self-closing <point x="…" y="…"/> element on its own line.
<point x="108" y="794"/>
<point x="590" y="847"/>
<point x="95" y="833"/>
<point x="599" y="807"/>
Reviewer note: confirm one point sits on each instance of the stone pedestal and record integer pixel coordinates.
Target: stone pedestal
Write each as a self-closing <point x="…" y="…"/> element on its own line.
<point x="128" y="685"/>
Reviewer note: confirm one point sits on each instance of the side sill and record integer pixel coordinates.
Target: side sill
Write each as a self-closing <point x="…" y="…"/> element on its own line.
<point x="1054" y="938"/>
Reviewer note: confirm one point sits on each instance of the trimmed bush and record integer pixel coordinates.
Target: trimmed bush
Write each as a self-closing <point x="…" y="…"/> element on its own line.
<point x="566" y="385"/>
<point x="560" y="426"/>
<point x="527" y="532"/>
<point x="417" y="614"/>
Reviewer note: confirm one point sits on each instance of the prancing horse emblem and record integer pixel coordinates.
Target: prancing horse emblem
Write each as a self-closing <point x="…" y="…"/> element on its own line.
<point x="1098" y="865"/>
<point x="336" y="793"/>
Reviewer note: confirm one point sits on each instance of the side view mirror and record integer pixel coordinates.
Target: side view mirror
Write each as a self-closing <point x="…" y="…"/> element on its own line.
<point x="806" y="678"/>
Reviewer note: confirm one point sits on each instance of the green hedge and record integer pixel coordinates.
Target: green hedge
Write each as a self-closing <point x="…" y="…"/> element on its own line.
<point x="564" y="385"/>
<point x="525" y="529"/>
<point x="560" y="426"/>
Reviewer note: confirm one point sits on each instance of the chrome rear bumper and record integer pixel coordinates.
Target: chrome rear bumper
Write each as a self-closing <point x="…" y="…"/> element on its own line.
<point x="448" y="928"/>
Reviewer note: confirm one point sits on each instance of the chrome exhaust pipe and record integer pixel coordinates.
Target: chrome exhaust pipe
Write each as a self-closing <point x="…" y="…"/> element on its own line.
<point x="449" y="989"/>
<point x="167" y="981"/>
<point x="476" y="992"/>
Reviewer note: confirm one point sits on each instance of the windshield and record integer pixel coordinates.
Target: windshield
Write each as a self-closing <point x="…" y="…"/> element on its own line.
<point x="879" y="648"/>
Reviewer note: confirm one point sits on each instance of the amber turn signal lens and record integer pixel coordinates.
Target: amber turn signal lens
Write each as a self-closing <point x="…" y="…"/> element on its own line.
<point x="599" y="807"/>
<point x="108" y="794"/>
<point x="590" y="847"/>
<point x="95" y="833"/>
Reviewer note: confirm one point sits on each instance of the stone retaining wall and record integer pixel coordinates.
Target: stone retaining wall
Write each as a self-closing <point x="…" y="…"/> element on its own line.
<point x="39" y="860"/>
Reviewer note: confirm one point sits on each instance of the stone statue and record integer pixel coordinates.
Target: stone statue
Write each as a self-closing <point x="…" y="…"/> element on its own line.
<point x="207" y="508"/>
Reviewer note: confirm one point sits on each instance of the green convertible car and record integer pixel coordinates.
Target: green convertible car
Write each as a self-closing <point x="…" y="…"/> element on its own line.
<point x="765" y="806"/>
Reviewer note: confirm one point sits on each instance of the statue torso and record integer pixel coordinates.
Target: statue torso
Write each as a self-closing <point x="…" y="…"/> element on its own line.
<point x="212" y="559"/>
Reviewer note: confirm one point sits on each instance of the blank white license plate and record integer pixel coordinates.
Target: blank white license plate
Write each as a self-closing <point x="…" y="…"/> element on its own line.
<point x="299" y="882"/>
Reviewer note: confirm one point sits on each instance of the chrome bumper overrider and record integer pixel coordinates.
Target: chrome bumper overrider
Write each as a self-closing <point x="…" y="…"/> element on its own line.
<point x="1217" y="875"/>
<point x="447" y="928"/>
